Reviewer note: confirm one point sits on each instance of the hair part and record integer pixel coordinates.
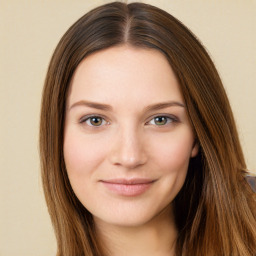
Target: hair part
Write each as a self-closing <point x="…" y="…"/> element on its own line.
<point x="215" y="209"/>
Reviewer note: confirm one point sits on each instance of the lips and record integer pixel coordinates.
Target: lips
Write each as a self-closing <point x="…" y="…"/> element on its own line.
<point x="128" y="187"/>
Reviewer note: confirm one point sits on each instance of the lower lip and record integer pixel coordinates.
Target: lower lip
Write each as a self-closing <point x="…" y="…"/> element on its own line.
<point x="128" y="189"/>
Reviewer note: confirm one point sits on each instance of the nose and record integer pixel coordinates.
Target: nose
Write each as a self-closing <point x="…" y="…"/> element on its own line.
<point x="128" y="149"/>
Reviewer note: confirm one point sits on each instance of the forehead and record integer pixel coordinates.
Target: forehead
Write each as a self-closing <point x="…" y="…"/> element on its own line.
<point x="125" y="73"/>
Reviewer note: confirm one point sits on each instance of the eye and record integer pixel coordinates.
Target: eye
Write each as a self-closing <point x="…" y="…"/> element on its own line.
<point x="94" y="121"/>
<point x="162" y="120"/>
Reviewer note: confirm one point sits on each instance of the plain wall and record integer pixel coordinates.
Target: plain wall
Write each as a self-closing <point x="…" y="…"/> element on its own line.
<point x="29" y="32"/>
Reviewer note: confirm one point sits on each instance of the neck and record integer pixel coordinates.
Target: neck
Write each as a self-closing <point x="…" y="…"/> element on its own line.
<point x="156" y="237"/>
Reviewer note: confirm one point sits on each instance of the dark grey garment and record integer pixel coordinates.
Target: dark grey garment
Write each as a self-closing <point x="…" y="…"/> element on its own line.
<point x="252" y="181"/>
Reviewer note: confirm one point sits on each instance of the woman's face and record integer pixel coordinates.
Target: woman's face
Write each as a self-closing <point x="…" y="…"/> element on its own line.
<point x="127" y="139"/>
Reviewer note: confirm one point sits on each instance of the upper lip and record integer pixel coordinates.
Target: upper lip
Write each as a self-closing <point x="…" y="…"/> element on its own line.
<point x="129" y="181"/>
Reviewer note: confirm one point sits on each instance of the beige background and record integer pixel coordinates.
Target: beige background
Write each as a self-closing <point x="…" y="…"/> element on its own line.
<point x="29" y="32"/>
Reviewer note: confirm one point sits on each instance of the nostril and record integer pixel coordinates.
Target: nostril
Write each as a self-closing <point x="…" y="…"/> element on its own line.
<point x="127" y="148"/>
<point x="128" y="158"/>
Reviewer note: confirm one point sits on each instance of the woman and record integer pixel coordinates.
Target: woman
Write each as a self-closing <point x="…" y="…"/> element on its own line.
<point x="139" y="149"/>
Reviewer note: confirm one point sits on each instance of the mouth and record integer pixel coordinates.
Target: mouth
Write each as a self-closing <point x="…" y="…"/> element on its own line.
<point x="128" y="187"/>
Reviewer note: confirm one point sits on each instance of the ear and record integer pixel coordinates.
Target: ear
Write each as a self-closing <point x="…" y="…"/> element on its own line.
<point x="195" y="149"/>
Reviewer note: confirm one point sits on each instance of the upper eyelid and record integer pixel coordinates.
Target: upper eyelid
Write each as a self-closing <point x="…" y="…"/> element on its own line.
<point x="163" y="115"/>
<point x="85" y="117"/>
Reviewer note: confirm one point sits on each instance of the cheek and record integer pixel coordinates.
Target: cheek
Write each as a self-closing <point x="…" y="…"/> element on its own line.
<point x="82" y="154"/>
<point x="173" y="153"/>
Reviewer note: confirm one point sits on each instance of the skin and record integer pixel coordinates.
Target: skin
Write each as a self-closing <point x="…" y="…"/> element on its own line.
<point x="127" y="140"/>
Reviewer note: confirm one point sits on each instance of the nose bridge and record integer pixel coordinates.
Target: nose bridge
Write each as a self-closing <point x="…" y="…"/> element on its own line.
<point x="128" y="147"/>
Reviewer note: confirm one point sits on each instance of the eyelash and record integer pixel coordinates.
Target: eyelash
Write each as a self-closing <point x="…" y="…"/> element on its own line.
<point x="89" y="118"/>
<point x="169" y="119"/>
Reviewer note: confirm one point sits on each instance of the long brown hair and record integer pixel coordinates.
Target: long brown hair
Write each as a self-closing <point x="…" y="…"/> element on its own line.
<point x="215" y="210"/>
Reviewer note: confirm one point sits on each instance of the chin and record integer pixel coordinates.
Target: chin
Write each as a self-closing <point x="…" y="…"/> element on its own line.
<point x="124" y="221"/>
<point x="132" y="218"/>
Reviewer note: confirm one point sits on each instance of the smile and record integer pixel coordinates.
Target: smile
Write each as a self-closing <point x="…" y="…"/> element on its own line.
<point x="124" y="187"/>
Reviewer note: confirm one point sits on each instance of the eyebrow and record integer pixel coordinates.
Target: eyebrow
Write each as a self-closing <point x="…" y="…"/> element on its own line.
<point x="164" y="105"/>
<point x="91" y="104"/>
<point x="107" y="107"/>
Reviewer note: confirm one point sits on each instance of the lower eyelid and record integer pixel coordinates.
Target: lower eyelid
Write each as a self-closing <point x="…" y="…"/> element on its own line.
<point x="171" y="119"/>
<point x="87" y="118"/>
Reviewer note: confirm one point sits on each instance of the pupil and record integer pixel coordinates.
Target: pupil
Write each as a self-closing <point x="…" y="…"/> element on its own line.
<point x="160" y="120"/>
<point x="96" y="121"/>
